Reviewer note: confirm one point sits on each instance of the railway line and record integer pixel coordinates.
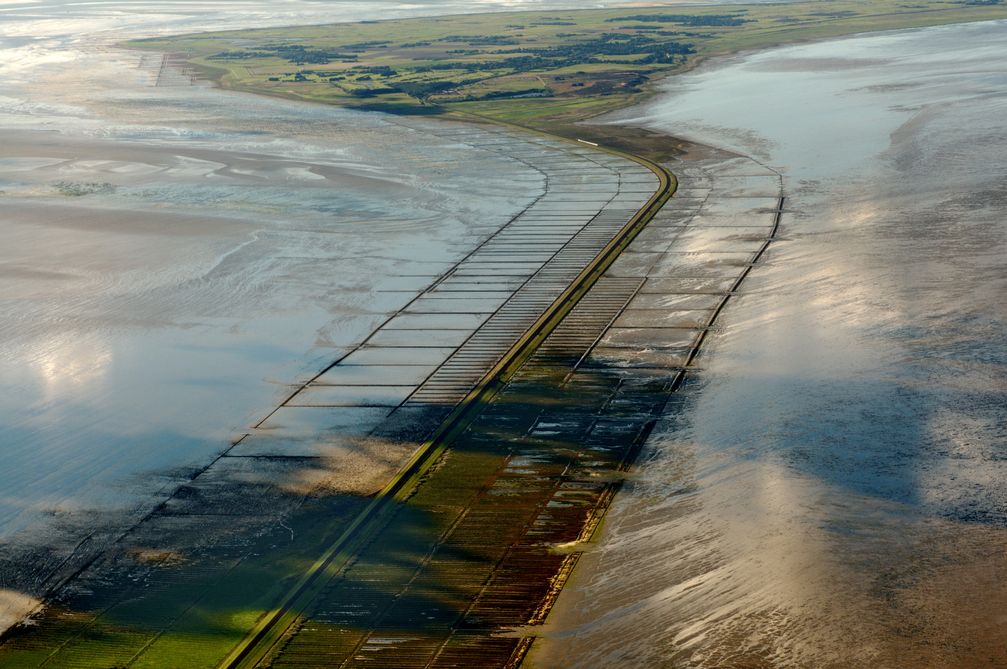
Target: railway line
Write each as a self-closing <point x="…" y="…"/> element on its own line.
<point x="523" y="382"/>
<point x="527" y="481"/>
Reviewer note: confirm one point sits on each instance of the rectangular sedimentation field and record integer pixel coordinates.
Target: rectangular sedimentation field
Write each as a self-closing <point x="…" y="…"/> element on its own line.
<point x="183" y="586"/>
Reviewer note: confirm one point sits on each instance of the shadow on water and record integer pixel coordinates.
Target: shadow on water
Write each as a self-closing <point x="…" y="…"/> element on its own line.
<point x="196" y="574"/>
<point x="193" y="577"/>
<point x="472" y="551"/>
<point x="756" y="534"/>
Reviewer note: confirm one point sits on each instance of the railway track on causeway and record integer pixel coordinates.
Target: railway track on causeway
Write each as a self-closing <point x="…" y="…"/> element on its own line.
<point x="274" y="629"/>
<point x="467" y="553"/>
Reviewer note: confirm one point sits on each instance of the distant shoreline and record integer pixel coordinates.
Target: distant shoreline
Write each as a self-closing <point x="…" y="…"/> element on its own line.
<point x="548" y="70"/>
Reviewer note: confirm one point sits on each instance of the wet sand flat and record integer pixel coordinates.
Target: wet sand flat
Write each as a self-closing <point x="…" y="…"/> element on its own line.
<point x="830" y="492"/>
<point x="174" y="259"/>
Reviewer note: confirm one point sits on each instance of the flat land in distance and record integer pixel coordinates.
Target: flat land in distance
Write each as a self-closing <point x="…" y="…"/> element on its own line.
<point x="542" y="69"/>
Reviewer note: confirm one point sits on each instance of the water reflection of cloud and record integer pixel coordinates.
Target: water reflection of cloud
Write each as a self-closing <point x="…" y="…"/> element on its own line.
<point x="14" y="606"/>
<point x="65" y="364"/>
<point x="833" y="493"/>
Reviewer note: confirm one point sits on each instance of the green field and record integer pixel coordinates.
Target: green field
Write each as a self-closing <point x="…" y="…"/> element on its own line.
<point x="540" y="69"/>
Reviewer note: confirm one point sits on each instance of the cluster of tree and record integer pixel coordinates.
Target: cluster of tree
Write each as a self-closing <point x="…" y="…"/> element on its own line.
<point x="586" y="51"/>
<point x="364" y="46"/>
<point x="606" y="44"/>
<point x="488" y="40"/>
<point x="683" y="33"/>
<point x="400" y="108"/>
<point x="523" y="93"/>
<point x="643" y="47"/>
<point x="655" y="30"/>
<point x="685" y="19"/>
<point x="663" y="57"/>
<point x="467" y="66"/>
<point x="421" y="90"/>
<point x="383" y="70"/>
<point x="300" y="55"/>
<point x="303" y="75"/>
<point x="372" y="92"/>
<point x="294" y="53"/>
<point x="241" y="55"/>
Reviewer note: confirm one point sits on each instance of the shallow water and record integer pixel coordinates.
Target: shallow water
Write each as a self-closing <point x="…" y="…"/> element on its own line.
<point x="830" y="490"/>
<point x="175" y="257"/>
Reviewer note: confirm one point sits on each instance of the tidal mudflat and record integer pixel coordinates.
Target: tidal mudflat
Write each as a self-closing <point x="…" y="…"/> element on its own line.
<point x="176" y="257"/>
<point x="831" y="490"/>
<point x="187" y="282"/>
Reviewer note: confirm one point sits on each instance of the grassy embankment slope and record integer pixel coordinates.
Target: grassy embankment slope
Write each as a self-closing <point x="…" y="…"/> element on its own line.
<point x="545" y="70"/>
